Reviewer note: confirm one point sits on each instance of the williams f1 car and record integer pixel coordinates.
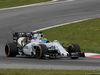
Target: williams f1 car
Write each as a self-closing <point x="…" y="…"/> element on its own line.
<point x="36" y="46"/>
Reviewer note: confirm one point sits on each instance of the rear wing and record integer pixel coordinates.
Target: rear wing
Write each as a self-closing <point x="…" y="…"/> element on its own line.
<point x="18" y="35"/>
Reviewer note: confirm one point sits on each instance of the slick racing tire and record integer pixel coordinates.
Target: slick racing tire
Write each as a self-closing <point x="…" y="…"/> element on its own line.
<point x="11" y="50"/>
<point x="41" y="50"/>
<point x="74" y="47"/>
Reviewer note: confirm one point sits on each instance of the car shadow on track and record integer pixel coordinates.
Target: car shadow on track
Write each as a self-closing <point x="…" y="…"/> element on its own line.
<point x="28" y="57"/>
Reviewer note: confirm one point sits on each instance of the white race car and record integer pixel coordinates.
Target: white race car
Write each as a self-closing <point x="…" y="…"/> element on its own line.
<point x="34" y="45"/>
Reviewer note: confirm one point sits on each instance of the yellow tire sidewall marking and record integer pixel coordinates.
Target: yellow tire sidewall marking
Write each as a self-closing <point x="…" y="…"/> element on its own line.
<point x="71" y="45"/>
<point x="40" y="51"/>
<point x="8" y="50"/>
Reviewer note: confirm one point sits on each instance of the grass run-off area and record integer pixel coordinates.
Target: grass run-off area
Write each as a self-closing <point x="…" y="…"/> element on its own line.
<point x="13" y="3"/>
<point x="46" y="72"/>
<point x="85" y="33"/>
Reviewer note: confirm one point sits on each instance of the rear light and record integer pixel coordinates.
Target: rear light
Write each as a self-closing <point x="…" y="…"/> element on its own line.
<point x="23" y="35"/>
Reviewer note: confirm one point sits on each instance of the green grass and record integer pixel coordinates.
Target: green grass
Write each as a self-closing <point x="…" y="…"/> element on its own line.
<point x="45" y="72"/>
<point x="13" y="3"/>
<point x="85" y="33"/>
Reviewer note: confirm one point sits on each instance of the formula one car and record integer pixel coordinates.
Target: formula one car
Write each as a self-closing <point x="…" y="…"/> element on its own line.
<point x="36" y="46"/>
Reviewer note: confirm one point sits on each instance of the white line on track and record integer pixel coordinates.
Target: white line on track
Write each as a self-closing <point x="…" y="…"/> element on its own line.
<point x="60" y="25"/>
<point x="37" y="4"/>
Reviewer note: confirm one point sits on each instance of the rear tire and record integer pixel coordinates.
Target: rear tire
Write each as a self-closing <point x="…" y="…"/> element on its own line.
<point x="11" y="50"/>
<point x="74" y="47"/>
<point x="41" y="50"/>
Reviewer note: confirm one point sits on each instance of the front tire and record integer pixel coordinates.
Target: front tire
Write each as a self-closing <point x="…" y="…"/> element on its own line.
<point x="41" y="50"/>
<point x="73" y="48"/>
<point x="11" y="50"/>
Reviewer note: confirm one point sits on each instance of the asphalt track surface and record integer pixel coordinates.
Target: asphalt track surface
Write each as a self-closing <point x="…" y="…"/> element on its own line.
<point x="37" y="17"/>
